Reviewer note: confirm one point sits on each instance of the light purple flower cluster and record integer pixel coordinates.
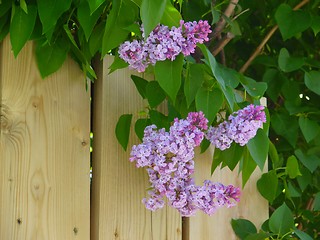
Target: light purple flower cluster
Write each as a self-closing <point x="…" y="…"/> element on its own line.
<point x="164" y="43"/>
<point x="240" y="127"/>
<point x="168" y="157"/>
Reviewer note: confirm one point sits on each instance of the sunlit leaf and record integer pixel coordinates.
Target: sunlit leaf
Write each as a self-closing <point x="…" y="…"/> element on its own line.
<point x="292" y="167"/>
<point x="258" y="148"/>
<point x="168" y="74"/>
<point x="151" y="12"/>
<point x="21" y="27"/>
<point x="209" y="102"/>
<point x="50" y="11"/>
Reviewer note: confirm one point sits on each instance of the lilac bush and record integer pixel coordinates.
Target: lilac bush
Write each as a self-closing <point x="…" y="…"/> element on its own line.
<point x="164" y="43"/>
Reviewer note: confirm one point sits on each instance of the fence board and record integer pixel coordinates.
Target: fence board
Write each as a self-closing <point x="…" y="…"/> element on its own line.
<point x="44" y="150"/>
<point x="118" y="187"/>
<point x="252" y="205"/>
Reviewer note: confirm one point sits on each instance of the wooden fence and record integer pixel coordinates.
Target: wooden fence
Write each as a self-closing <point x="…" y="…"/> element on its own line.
<point x="45" y="162"/>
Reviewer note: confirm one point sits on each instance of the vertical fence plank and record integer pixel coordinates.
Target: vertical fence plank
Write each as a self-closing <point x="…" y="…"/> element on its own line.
<point x="118" y="186"/>
<point x="44" y="150"/>
<point x="252" y="205"/>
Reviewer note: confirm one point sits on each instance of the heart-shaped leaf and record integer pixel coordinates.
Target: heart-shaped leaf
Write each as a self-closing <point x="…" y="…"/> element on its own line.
<point x="281" y="221"/>
<point x="291" y="22"/>
<point x="311" y="79"/>
<point x="287" y="63"/>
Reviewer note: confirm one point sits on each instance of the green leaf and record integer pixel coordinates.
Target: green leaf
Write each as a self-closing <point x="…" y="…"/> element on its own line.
<point x="219" y="74"/>
<point x="168" y="74"/>
<point x="247" y="166"/>
<point x="209" y="102"/>
<point x="118" y="63"/>
<point x="4" y="7"/>
<point x="24" y="6"/>
<point x="50" y="57"/>
<point x="258" y="236"/>
<point x="255" y="89"/>
<point x="243" y="227"/>
<point x="316" y="203"/>
<point x="94" y="5"/>
<point x="280" y="123"/>
<point x="141" y="85"/>
<point x="292" y="168"/>
<point x="86" y="19"/>
<point x="258" y="148"/>
<point x="287" y="63"/>
<point x="305" y="179"/>
<point x="309" y="161"/>
<point x="302" y="235"/>
<point x="231" y="156"/>
<point x="212" y="63"/>
<point x="21" y="27"/>
<point x="137" y="2"/>
<point x="291" y="22"/>
<point x="268" y="185"/>
<point x="151" y="13"/>
<point x="205" y="144"/>
<point x="281" y="221"/>
<point x="311" y="80"/>
<point x="171" y="16"/>
<point x="159" y="119"/>
<point x="123" y="14"/>
<point x="95" y="41"/>
<point x="309" y="128"/>
<point x="154" y="93"/>
<point x="123" y="130"/>
<point x="196" y="76"/>
<point x="50" y="11"/>
<point x="274" y="156"/>
<point x="140" y="125"/>
<point x="315" y="25"/>
<point x="274" y="80"/>
<point x="4" y="25"/>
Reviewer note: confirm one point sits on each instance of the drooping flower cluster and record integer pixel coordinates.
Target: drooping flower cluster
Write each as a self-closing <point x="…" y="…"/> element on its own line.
<point x="168" y="157"/>
<point x="164" y="43"/>
<point x="240" y="127"/>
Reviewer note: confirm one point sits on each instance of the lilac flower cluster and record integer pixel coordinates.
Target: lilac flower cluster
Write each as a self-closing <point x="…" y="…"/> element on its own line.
<point x="164" y="43"/>
<point x="168" y="157"/>
<point x="240" y="127"/>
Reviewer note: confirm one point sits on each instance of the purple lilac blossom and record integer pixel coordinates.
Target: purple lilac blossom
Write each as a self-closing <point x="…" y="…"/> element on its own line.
<point x="240" y="127"/>
<point x="168" y="157"/>
<point x="164" y="43"/>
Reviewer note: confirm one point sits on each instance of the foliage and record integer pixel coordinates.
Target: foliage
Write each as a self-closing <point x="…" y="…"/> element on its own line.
<point x="286" y="72"/>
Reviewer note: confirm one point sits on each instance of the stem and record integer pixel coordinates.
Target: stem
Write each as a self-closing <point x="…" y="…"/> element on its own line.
<point x="222" y="43"/>
<point x="222" y="22"/>
<point x="266" y="39"/>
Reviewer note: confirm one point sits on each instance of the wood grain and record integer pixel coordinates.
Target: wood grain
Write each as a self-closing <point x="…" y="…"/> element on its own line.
<point x="44" y="150"/>
<point x="118" y="186"/>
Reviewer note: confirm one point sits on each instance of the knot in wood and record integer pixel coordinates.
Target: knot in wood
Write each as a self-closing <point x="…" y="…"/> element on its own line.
<point x="5" y="118"/>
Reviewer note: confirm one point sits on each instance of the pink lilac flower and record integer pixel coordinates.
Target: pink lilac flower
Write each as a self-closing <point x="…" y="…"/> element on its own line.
<point x="240" y="127"/>
<point x="164" y="43"/>
<point x="168" y="157"/>
<point x="194" y="33"/>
